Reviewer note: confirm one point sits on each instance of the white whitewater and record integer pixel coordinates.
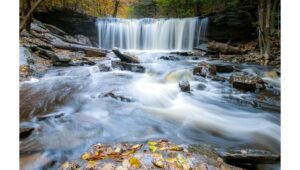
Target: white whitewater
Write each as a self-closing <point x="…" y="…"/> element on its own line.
<point x="151" y="34"/>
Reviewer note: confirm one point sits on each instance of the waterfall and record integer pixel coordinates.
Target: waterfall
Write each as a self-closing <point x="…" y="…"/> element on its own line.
<point x="151" y="34"/>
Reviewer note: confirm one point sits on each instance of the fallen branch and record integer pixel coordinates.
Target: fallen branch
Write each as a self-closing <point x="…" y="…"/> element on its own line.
<point x="224" y="48"/>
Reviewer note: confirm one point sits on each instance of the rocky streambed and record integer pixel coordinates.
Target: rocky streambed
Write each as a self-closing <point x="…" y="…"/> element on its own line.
<point x="74" y="97"/>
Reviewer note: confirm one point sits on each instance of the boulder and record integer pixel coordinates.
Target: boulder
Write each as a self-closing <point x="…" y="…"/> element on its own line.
<point x="246" y="82"/>
<point x="125" y="57"/>
<point x="184" y="86"/>
<point x="71" y="22"/>
<point x="127" y="66"/>
<point x="205" y="69"/>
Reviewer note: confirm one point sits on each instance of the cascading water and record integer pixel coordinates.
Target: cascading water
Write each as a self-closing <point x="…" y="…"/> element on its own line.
<point x="151" y="34"/>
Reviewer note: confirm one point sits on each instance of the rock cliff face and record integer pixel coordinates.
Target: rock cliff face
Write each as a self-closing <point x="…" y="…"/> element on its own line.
<point x="233" y="24"/>
<point x="71" y="22"/>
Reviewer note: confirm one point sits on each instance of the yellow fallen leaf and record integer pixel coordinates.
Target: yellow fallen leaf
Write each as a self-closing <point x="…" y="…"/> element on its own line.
<point x="152" y="148"/>
<point x="152" y="143"/>
<point x="135" y="163"/>
<point x="86" y="156"/>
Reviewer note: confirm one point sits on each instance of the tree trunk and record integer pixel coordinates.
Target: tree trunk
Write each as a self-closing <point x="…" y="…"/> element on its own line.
<point x="273" y="16"/>
<point x="27" y="20"/>
<point x="264" y="13"/>
<point x="267" y="32"/>
<point x="117" y="2"/>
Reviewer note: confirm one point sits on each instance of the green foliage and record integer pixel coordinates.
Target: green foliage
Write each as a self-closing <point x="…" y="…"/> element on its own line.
<point x="146" y="8"/>
<point x="180" y="8"/>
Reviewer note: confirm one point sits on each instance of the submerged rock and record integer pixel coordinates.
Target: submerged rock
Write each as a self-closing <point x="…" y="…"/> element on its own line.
<point x="128" y="66"/>
<point x="188" y="53"/>
<point x="184" y="85"/>
<point x="172" y="58"/>
<point x="49" y="116"/>
<point x="117" y="97"/>
<point x="103" y="68"/>
<point x="246" y="82"/>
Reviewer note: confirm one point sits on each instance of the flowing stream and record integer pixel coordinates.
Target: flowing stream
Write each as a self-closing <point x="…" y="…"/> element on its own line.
<point x="80" y="114"/>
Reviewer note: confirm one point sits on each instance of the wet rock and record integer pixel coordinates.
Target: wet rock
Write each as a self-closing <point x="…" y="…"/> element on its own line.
<point x="201" y="87"/>
<point x="25" y="56"/>
<point x="172" y="58"/>
<point x="45" y="117"/>
<point x="246" y="82"/>
<point x="197" y="71"/>
<point x="249" y="156"/>
<point x="128" y="66"/>
<point x="103" y="68"/>
<point x="62" y="58"/>
<point x="80" y="39"/>
<point x="224" y="68"/>
<point x="184" y="85"/>
<point x="205" y="69"/>
<point x="125" y="57"/>
<point x="25" y="132"/>
<point x="75" y="62"/>
<point x="217" y="78"/>
<point x="117" y="97"/>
